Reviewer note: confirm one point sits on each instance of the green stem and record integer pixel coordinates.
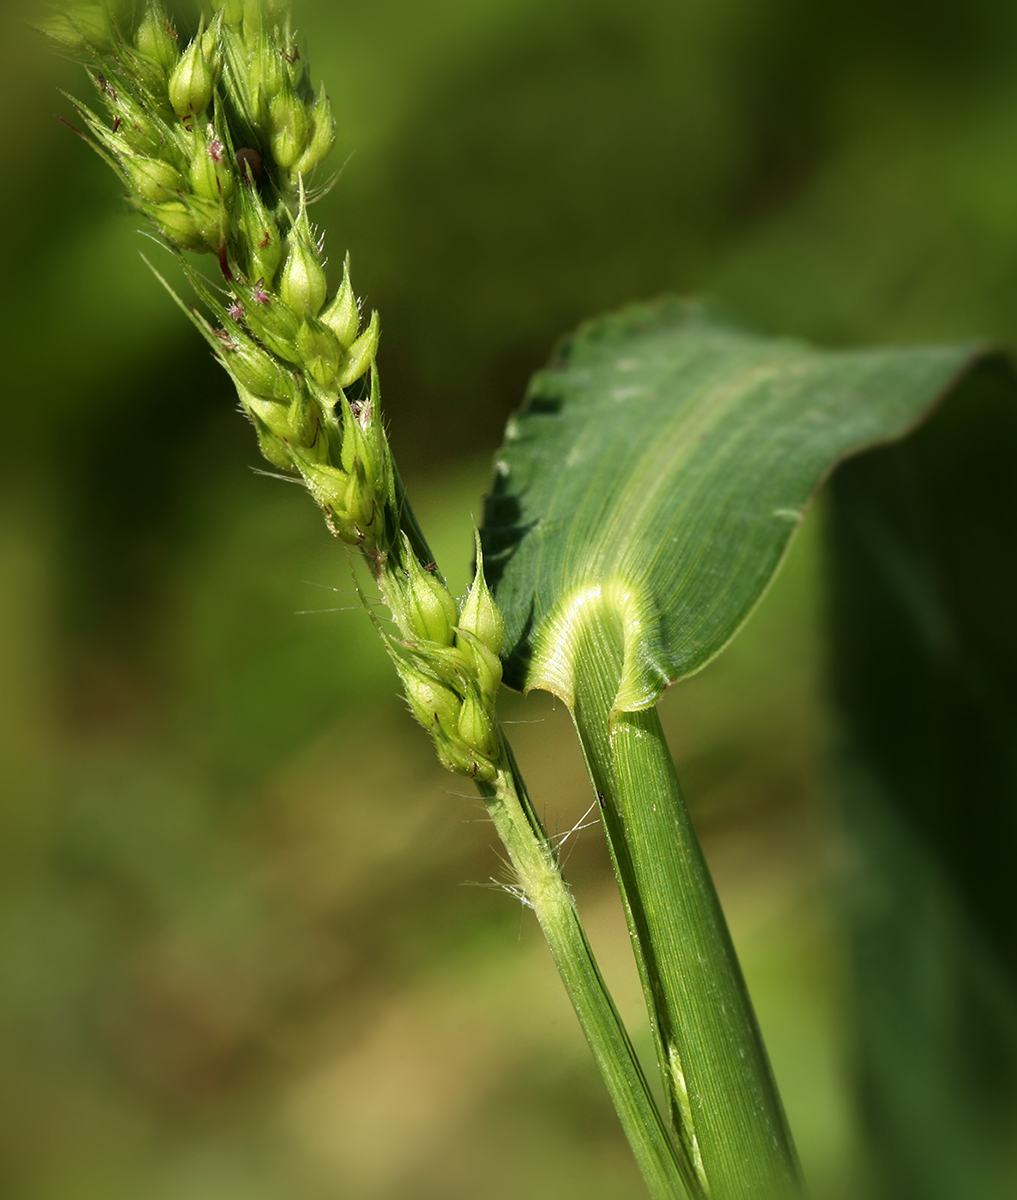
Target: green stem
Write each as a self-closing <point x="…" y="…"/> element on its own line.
<point x="665" y="1166"/>
<point x="724" y="1101"/>
<point x="664" y="1161"/>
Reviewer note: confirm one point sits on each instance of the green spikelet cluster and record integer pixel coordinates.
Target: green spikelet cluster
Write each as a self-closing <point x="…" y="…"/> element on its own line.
<point x="449" y="663"/>
<point x="216" y="136"/>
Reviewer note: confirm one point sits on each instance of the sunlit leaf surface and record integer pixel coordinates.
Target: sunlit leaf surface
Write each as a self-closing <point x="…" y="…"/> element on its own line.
<point x="660" y="465"/>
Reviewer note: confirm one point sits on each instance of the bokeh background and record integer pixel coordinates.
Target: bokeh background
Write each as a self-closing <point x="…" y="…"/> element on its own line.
<point x="239" y="961"/>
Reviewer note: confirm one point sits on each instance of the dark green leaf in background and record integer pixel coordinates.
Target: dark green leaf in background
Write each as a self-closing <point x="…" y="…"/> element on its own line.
<point x="923" y="599"/>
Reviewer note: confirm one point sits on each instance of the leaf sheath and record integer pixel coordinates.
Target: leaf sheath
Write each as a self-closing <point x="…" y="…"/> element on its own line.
<point x="723" y="1099"/>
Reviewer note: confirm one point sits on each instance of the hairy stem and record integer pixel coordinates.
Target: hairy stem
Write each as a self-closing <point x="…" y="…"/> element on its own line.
<point x="668" y="1172"/>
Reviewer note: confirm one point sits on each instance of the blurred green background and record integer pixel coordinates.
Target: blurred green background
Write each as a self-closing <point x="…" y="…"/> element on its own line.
<point x="237" y="959"/>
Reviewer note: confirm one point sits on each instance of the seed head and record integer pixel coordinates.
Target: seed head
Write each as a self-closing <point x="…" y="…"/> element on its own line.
<point x="434" y="705"/>
<point x="232" y="12"/>
<point x="192" y="81"/>
<point x="482" y="666"/>
<point x="176" y="223"/>
<point x="342" y="314"/>
<point x="361" y="507"/>
<point x="289" y="125"/>
<point x="274" y="323"/>
<point x="320" y="351"/>
<point x="302" y="282"/>
<point x="476" y="727"/>
<point x="259" y="236"/>
<point x="157" y="40"/>
<point x="266" y="77"/>
<point x="429" y="610"/>
<point x="255" y="370"/>
<point x="273" y="448"/>
<point x="214" y="141"/>
<point x="481" y="616"/>
<point x="211" y="174"/>
<point x="153" y="179"/>
<point x="321" y="139"/>
<point x="361" y="354"/>
<point x="81" y="28"/>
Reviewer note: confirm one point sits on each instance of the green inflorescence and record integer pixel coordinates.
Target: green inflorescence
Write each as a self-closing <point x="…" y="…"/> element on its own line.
<point x="217" y="137"/>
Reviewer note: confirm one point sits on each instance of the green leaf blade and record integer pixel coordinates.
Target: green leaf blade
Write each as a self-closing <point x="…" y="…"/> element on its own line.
<point x="661" y="465"/>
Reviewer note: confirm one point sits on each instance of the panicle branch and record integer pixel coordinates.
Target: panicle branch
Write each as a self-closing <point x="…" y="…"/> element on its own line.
<point x="217" y="134"/>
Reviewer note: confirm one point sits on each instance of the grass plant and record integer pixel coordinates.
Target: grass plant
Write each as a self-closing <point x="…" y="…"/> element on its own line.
<point x="645" y="496"/>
